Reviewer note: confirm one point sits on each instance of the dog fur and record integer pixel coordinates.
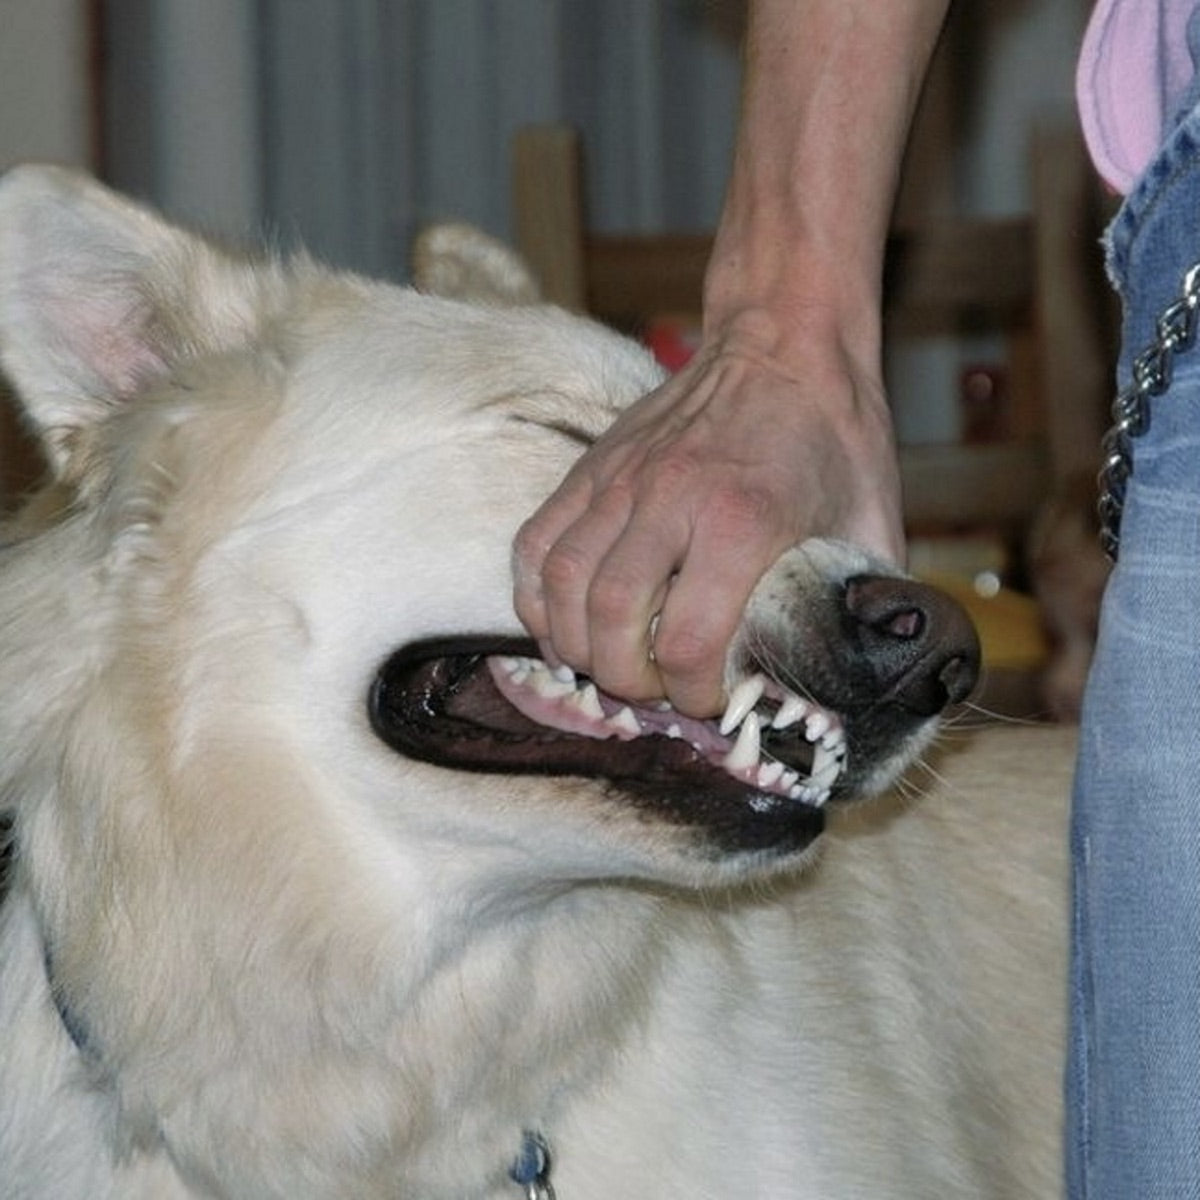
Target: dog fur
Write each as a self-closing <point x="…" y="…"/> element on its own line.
<point x="251" y="950"/>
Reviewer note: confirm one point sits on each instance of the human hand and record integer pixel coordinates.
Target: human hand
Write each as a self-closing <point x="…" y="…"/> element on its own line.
<point x="637" y="570"/>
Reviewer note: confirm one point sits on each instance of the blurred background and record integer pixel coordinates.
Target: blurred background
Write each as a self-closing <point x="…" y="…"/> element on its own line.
<point x="350" y="125"/>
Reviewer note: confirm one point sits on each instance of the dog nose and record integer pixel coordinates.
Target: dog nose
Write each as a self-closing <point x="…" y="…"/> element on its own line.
<point x="920" y="643"/>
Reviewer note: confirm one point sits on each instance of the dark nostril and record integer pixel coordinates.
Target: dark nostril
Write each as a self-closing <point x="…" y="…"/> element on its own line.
<point x="892" y="607"/>
<point x="919" y="642"/>
<point x="906" y="624"/>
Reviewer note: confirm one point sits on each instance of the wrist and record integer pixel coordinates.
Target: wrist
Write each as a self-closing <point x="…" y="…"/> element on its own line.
<point x="771" y="282"/>
<point x="822" y="340"/>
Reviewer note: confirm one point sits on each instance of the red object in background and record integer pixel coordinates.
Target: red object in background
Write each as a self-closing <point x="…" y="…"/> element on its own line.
<point x="672" y="340"/>
<point x="983" y="393"/>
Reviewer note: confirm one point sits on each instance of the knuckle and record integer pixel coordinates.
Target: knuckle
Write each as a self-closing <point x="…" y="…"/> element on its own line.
<point x="530" y="543"/>
<point x="738" y="508"/>
<point x="688" y="654"/>
<point x="675" y="468"/>
<point x="565" y="569"/>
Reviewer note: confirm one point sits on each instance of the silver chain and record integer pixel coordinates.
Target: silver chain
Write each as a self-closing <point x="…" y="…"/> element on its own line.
<point x="1174" y="333"/>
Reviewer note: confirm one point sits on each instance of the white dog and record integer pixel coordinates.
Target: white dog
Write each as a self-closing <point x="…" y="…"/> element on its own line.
<point x="322" y="886"/>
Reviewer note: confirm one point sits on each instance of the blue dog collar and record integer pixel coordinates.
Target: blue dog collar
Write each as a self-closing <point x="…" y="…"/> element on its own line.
<point x="531" y="1169"/>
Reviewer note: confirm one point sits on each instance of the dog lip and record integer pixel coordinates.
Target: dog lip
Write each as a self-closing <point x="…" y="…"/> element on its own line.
<point x="409" y="696"/>
<point x="437" y="701"/>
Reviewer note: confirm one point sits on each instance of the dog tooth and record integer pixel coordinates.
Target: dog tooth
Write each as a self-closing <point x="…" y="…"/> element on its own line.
<point x="625" y="722"/>
<point x="822" y="758"/>
<point x="789" y="779"/>
<point x="674" y="731"/>
<point x="744" y="754"/>
<point x="825" y="768"/>
<point x="551" y="688"/>
<point x="769" y="774"/>
<point x="790" y="711"/>
<point x="834" y="738"/>
<point x="546" y="682"/>
<point x="817" y="725"/>
<point x="563" y="674"/>
<point x="745" y="696"/>
<point x="587" y="700"/>
<point x="814" y="796"/>
<point x="825" y="780"/>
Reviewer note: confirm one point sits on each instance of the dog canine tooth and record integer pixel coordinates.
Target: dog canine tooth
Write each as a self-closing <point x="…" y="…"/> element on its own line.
<point x="790" y="711"/>
<point x="825" y="768"/>
<point x="770" y="773"/>
<point x="744" y="754"/>
<point x="745" y="696"/>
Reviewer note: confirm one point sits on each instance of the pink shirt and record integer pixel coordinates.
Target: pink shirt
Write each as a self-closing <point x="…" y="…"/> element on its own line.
<point x="1134" y="70"/>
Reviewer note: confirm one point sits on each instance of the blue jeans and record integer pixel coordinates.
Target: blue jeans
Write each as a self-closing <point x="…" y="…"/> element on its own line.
<point x="1133" y="1078"/>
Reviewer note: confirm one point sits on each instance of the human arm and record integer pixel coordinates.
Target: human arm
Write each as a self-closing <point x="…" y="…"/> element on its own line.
<point x="779" y="428"/>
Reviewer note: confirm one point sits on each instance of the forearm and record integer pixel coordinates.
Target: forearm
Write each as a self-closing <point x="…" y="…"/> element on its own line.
<point x="830" y="91"/>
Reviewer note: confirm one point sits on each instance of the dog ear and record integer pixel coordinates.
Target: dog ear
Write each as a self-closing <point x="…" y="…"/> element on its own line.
<point x="99" y="295"/>
<point x="461" y="262"/>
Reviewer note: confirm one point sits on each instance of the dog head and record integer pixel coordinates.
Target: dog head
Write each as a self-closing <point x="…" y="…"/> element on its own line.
<point x="288" y="501"/>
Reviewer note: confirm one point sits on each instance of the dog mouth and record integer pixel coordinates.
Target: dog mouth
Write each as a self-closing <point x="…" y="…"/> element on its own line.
<point x="484" y="705"/>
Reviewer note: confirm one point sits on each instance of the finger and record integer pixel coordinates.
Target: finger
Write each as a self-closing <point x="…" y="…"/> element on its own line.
<point x="626" y="594"/>
<point x="533" y="543"/>
<point x="730" y="550"/>
<point x="570" y="567"/>
<point x="631" y="584"/>
<point x="695" y="628"/>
